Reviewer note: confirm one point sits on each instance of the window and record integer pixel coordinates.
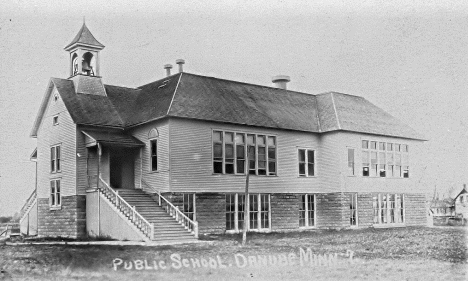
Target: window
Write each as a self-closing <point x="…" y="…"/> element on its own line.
<point x="55" y="159"/>
<point x="153" y="155"/>
<point x="235" y="204"/>
<point x="388" y="209"/>
<point x="55" y="120"/>
<point x="350" y="161"/>
<point x="381" y="159"/>
<point x="230" y="151"/>
<point x="353" y="209"/>
<point x="307" y="210"/>
<point x="55" y="200"/>
<point x="189" y="205"/>
<point x="306" y="162"/>
<point x="258" y="212"/>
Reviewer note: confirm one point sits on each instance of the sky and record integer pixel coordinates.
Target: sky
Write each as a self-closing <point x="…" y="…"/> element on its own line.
<point x="408" y="57"/>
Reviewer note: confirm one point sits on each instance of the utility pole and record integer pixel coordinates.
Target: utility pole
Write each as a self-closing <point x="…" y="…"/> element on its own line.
<point x="247" y="203"/>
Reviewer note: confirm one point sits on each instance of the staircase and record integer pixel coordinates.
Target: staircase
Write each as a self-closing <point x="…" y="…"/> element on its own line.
<point x="166" y="228"/>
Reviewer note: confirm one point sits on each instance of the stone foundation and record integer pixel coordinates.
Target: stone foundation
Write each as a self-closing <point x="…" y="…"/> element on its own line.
<point x="332" y="211"/>
<point x="68" y="221"/>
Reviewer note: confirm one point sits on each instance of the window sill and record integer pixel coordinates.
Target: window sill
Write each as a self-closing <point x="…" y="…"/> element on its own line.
<point x="393" y="178"/>
<point x="58" y="172"/>
<point x="307" y="227"/>
<point x="267" y="176"/>
<point x="55" y="208"/>
<point x="153" y="172"/>
<point x="388" y="225"/>
<point x="306" y="177"/>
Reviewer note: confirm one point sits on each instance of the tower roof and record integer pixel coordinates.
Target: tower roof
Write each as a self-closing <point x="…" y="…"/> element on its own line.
<point x="85" y="37"/>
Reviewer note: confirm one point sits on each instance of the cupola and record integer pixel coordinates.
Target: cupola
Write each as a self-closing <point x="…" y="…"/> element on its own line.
<point x="84" y="53"/>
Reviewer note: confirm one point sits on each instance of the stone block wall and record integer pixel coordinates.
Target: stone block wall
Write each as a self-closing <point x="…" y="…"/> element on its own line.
<point x="365" y="210"/>
<point x="68" y="221"/>
<point x="332" y="210"/>
<point x="416" y="209"/>
<point x="284" y="212"/>
<point x="211" y="212"/>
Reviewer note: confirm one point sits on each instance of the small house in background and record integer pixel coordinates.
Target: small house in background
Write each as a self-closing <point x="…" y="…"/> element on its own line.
<point x="461" y="203"/>
<point x="443" y="207"/>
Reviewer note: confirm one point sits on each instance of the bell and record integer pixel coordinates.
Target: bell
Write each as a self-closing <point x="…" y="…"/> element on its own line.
<point x="85" y="66"/>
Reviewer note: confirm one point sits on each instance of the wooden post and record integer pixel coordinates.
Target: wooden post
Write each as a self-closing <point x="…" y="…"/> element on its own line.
<point x="99" y="164"/>
<point x="246" y="201"/>
<point x="195" y="228"/>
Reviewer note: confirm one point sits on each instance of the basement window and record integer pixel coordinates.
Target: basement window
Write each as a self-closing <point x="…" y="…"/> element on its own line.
<point x="307" y="212"/>
<point x="388" y="209"/>
<point x="259" y="213"/>
<point x="189" y="205"/>
<point x="55" y="199"/>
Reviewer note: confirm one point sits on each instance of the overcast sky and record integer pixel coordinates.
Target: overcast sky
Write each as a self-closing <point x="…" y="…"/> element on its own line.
<point x="409" y="58"/>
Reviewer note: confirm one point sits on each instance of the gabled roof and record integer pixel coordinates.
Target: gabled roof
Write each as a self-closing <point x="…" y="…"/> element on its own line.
<point x="463" y="191"/>
<point x="199" y="97"/>
<point x="84" y="36"/>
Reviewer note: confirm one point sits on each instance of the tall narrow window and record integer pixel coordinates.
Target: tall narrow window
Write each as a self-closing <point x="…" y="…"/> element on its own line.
<point x="55" y="121"/>
<point x="230" y="211"/>
<point x="350" y="161"/>
<point x="306" y="159"/>
<point x="353" y="209"/>
<point x="55" y="199"/>
<point x="240" y="211"/>
<point x="264" y="211"/>
<point x="251" y="152"/>
<point x="189" y="205"/>
<point x="253" y="211"/>
<point x="55" y="156"/>
<point x="262" y="157"/>
<point x="154" y="155"/>
<point x="374" y="165"/>
<point x="271" y="156"/>
<point x="307" y="210"/>
<point x="217" y="152"/>
<point x="240" y="153"/>
<point x="229" y="153"/>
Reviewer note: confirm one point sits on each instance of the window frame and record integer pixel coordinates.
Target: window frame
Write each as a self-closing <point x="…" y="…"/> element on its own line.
<point x="351" y="170"/>
<point x="353" y="197"/>
<point x="190" y="199"/>
<point x="306" y="162"/>
<point x="56" y="158"/>
<point x="246" y="222"/>
<point x="246" y="146"/>
<point x="55" y="120"/>
<point x="55" y="195"/>
<point x="307" y="212"/>
<point x="399" y="210"/>
<point x="391" y="159"/>
<point x="151" y="141"/>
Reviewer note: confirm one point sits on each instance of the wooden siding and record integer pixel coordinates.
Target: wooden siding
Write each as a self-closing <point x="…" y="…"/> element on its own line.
<point x="358" y="183"/>
<point x="159" y="180"/>
<point x="191" y="161"/>
<point x="49" y="135"/>
<point x="81" y="162"/>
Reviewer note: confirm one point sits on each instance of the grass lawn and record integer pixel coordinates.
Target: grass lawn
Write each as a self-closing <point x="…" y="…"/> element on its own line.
<point x="370" y="254"/>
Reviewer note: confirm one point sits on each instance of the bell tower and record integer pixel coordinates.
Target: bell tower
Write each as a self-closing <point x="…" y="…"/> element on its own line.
<point x="84" y="53"/>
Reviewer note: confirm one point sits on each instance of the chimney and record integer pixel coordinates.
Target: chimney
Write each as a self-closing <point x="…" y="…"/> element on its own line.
<point x="280" y="81"/>
<point x="181" y="63"/>
<point x="168" y="67"/>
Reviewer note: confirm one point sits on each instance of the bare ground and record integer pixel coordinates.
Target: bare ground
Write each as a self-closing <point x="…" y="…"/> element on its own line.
<point x="378" y="254"/>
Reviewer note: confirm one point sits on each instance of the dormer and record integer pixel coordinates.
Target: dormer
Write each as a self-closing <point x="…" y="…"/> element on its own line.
<point x="84" y="53"/>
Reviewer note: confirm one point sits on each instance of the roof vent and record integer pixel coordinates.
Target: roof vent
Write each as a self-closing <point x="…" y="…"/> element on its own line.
<point x="280" y="81"/>
<point x="168" y="68"/>
<point x="181" y="63"/>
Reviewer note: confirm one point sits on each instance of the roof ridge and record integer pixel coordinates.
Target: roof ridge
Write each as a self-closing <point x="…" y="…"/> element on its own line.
<point x="173" y="95"/>
<point x="136" y="89"/>
<point x="251" y="84"/>
<point x="336" y="112"/>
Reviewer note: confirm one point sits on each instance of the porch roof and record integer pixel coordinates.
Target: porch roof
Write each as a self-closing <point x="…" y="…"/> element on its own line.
<point x="116" y="138"/>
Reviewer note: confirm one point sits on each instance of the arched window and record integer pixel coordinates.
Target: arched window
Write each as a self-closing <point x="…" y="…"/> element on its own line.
<point x="153" y="144"/>
<point x="74" y="64"/>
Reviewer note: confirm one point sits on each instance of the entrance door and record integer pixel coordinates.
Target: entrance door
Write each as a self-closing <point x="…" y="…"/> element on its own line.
<point x="122" y="172"/>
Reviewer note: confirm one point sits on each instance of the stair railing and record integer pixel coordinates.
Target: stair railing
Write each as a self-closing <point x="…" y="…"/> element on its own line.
<point x="28" y="205"/>
<point x="175" y="212"/>
<point x="129" y="211"/>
